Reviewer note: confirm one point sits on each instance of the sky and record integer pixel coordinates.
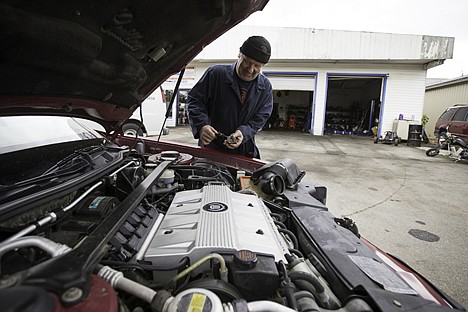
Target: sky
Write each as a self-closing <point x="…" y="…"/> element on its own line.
<point x="447" y="18"/>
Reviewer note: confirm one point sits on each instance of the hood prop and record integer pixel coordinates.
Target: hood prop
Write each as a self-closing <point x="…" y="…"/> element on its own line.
<point x="169" y="108"/>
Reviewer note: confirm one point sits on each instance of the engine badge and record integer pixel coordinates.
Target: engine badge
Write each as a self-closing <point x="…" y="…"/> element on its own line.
<point x="215" y="207"/>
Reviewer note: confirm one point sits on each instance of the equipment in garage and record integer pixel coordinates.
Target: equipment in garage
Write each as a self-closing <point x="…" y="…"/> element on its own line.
<point x="291" y="110"/>
<point x="353" y="104"/>
<point x="293" y="95"/>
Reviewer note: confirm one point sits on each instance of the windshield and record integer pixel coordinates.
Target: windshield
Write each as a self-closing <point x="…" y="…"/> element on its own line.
<point x="22" y="132"/>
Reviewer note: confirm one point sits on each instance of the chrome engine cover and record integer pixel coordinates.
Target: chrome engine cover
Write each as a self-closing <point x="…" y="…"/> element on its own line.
<point x="214" y="219"/>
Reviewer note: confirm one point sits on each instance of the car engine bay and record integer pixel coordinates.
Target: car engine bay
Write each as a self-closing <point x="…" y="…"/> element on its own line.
<point x="94" y="220"/>
<point x="175" y="232"/>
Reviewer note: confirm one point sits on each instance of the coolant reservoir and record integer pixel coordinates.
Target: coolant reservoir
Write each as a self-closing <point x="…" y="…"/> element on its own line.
<point x="167" y="177"/>
<point x="195" y="299"/>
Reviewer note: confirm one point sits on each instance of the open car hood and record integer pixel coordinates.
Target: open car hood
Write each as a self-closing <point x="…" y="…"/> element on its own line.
<point x="100" y="60"/>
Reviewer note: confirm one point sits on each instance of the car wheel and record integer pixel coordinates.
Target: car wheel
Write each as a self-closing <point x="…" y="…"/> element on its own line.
<point x="132" y="129"/>
<point x="432" y="152"/>
<point x="397" y="140"/>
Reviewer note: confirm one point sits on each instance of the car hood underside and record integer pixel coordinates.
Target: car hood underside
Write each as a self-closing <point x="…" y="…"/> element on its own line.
<point x="102" y="59"/>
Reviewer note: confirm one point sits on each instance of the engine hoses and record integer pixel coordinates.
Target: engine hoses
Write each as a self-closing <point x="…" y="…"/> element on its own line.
<point x="142" y="266"/>
<point x="163" y="301"/>
<point x="303" y="278"/>
<point x="52" y="248"/>
<point x="117" y="280"/>
<point x="223" y="270"/>
<point x="288" y="287"/>
<point x="291" y="236"/>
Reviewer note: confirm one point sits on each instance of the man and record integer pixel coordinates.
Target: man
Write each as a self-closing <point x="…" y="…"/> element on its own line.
<point x="231" y="103"/>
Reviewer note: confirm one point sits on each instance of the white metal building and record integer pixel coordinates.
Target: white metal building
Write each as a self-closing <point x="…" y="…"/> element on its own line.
<point x="332" y="81"/>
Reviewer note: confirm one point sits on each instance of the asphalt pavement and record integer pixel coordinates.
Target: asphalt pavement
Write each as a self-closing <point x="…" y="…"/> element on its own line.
<point x="408" y="204"/>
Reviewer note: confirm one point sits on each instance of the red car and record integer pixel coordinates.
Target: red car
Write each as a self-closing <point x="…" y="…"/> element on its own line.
<point x="99" y="221"/>
<point x="454" y="118"/>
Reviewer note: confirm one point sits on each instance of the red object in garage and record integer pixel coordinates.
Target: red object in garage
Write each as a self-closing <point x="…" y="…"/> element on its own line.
<point x="292" y="122"/>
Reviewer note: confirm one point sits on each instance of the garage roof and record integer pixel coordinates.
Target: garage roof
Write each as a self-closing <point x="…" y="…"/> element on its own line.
<point x="335" y="46"/>
<point x="447" y="82"/>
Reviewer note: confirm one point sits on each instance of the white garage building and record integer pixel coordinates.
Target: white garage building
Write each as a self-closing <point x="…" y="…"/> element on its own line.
<point x="332" y="81"/>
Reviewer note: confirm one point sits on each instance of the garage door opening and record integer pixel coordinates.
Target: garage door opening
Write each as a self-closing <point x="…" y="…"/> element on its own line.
<point x="353" y="104"/>
<point x="291" y="110"/>
<point x="293" y="100"/>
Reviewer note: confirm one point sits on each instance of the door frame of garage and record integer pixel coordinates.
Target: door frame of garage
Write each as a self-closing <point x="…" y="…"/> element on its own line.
<point x="383" y="92"/>
<point x="301" y="74"/>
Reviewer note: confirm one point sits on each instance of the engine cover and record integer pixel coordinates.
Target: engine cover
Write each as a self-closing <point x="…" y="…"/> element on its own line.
<point x="214" y="219"/>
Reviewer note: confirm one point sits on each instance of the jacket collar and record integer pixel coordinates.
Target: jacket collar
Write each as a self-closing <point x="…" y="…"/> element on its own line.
<point x="260" y="80"/>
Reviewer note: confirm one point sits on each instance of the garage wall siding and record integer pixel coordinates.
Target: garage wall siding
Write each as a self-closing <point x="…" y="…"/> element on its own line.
<point x="404" y="90"/>
<point x="320" y="103"/>
<point x="404" y="95"/>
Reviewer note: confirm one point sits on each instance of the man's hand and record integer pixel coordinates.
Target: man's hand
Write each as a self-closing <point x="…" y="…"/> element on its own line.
<point x="234" y="140"/>
<point x="207" y="134"/>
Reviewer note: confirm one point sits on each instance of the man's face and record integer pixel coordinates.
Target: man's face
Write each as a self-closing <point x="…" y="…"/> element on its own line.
<point x="248" y="69"/>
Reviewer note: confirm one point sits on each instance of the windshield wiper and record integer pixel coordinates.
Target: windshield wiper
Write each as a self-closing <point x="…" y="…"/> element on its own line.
<point x="75" y="168"/>
<point x="71" y="164"/>
<point x="81" y="154"/>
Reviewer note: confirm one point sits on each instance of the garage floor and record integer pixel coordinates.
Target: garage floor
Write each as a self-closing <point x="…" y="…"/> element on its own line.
<point x="408" y="204"/>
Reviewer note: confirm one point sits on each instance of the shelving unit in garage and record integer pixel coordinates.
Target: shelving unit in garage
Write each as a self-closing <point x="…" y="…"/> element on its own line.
<point x="338" y="121"/>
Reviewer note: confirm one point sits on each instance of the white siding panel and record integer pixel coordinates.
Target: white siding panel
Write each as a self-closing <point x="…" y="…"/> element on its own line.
<point x="320" y="101"/>
<point x="405" y="46"/>
<point x="323" y="44"/>
<point x="404" y="95"/>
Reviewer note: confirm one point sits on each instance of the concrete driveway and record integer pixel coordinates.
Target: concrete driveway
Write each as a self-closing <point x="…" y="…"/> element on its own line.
<point x="410" y="205"/>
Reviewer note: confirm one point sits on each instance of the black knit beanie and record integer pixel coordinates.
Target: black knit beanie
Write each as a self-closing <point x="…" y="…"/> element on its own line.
<point x="257" y="48"/>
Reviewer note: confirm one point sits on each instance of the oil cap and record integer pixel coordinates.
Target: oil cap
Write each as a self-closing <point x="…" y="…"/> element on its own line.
<point x="245" y="259"/>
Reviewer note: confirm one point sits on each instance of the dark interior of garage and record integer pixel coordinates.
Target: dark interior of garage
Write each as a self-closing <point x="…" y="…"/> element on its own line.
<point x="353" y="105"/>
<point x="291" y="110"/>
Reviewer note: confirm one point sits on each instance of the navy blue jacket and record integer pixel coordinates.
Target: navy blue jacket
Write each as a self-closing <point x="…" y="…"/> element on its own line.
<point x="215" y="100"/>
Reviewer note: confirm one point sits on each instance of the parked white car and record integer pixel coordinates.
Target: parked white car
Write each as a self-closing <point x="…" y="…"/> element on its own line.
<point x="153" y="111"/>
